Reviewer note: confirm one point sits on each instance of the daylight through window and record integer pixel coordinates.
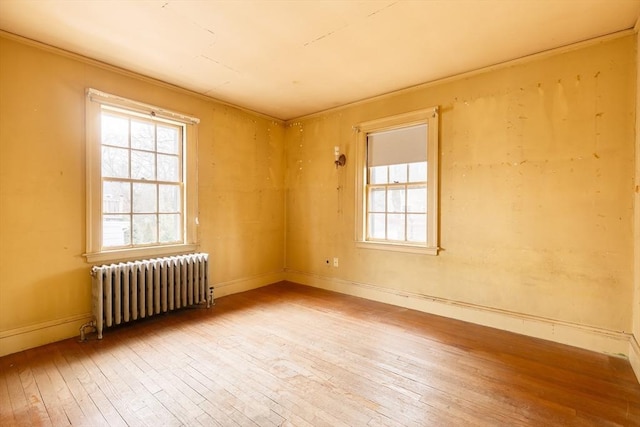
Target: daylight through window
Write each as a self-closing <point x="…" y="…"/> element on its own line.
<point x="397" y="183"/>
<point x="141" y="180"/>
<point x="142" y="183"/>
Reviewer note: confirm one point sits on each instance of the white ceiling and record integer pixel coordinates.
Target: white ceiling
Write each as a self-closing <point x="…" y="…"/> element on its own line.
<point x="290" y="58"/>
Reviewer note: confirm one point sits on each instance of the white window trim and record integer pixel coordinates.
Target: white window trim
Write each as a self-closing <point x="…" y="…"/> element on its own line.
<point x="94" y="253"/>
<point x="427" y="116"/>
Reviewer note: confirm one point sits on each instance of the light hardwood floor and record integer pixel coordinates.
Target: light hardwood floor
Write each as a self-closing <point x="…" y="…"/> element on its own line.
<point x="297" y="356"/>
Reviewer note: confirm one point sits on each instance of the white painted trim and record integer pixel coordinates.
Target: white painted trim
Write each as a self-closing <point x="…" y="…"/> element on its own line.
<point x="127" y="73"/>
<point x="430" y="118"/>
<point x="18" y="339"/>
<point x="634" y="348"/>
<point x="94" y="102"/>
<point x="105" y="98"/>
<point x="222" y="289"/>
<point x="23" y="338"/>
<point x="577" y="335"/>
<point x="391" y="247"/>
<point x="468" y="74"/>
<point x="140" y="253"/>
<point x="634" y="356"/>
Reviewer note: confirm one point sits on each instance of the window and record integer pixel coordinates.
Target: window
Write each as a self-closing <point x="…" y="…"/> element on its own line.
<point x="141" y="179"/>
<point x="397" y="183"/>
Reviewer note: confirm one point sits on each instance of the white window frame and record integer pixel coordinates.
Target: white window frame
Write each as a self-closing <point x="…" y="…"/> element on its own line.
<point x="95" y="99"/>
<point x="428" y="116"/>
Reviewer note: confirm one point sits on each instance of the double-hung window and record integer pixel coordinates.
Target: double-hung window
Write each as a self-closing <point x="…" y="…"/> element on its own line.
<point x="141" y="179"/>
<point x="398" y="183"/>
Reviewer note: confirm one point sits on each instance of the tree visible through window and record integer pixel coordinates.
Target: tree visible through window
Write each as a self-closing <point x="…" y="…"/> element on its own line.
<point x="397" y="198"/>
<point x="397" y="182"/>
<point x="141" y="180"/>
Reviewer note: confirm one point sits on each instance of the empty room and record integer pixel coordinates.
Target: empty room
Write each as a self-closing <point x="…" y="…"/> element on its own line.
<point x="320" y="213"/>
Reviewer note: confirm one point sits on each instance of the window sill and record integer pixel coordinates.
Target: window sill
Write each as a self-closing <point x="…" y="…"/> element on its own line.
<point x="394" y="247"/>
<point x="138" y="253"/>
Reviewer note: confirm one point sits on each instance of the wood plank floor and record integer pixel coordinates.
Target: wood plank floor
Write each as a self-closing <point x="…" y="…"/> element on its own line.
<point x="289" y="355"/>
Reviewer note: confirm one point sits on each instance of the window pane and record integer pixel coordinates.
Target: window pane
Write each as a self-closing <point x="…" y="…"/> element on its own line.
<point x="116" y="230"/>
<point x="115" y="130"/>
<point x="398" y="173"/>
<point x="378" y="175"/>
<point x="143" y="165"/>
<point x="395" y="227"/>
<point x="169" y="228"/>
<point x="398" y="187"/>
<point x="377" y="197"/>
<point x="377" y="228"/>
<point x="418" y="172"/>
<point x="116" y="197"/>
<point x="142" y="136"/>
<point x="417" y="199"/>
<point x="141" y="178"/>
<point x="169" y="198"/>
<point x="417" y="228"/>
<point x="168" y="168"/>
<point x="145" y="229"/>
<point x="115" y="162"/>
<point x="145" y="198"/>
<point x="168" y="140"/>
<point x="395" y="200"/>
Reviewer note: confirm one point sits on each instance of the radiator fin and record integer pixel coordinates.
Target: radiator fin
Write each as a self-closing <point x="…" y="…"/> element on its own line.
<point x="133" y="290"/>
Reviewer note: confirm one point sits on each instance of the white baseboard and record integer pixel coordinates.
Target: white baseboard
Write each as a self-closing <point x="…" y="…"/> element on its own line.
<point x="634" y="355"/>
<point x="23" y="338"/>
<point x="586" y="337"/>
<point x="18" y="339"/>
<point x="246" y="284"/>
<point x="590" y="338"/>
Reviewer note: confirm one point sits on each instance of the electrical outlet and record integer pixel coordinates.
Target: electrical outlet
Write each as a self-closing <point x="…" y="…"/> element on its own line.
<point x="335" y="262"/>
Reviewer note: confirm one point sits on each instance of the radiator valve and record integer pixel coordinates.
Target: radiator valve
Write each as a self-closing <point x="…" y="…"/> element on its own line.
<point x="92" y="325"/>
<point x="210" y="301"/>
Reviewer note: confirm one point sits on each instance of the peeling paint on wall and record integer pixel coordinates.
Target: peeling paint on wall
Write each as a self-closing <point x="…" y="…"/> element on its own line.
<point x="535" y="202"/>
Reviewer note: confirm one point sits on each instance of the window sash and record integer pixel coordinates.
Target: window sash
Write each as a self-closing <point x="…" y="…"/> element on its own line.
<point x="426" y="119"/>
<point x="184" y="157"/>
<point x="405" y="211"/>
<point x="158" y="212"/>
<point x="130" y="219"/>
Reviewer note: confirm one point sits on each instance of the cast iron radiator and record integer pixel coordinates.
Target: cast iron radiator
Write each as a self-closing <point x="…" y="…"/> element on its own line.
<point x="133" y="290"/>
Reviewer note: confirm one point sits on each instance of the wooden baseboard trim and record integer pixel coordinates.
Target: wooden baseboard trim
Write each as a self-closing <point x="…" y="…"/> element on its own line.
<point x="582" y="336"/>
<point x="634" y="355"/>
<point x="23" y="338"/>
<point x="18" y="339"/>
<point x="222" y="289"/>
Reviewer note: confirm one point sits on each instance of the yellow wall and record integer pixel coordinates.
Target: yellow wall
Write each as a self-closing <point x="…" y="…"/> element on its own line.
<point x="634" y="348"/>
<point x="45" y="285"/>
<point x="536" y="201"/>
